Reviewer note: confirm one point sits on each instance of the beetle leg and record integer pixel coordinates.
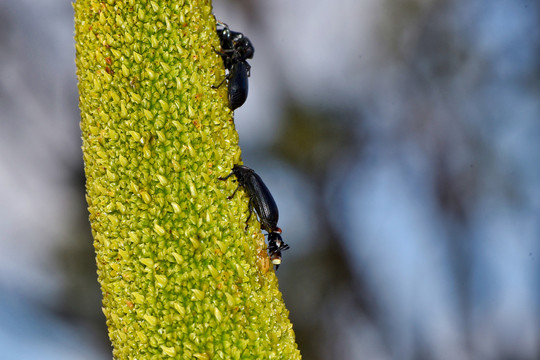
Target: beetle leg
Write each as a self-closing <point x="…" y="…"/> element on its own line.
<point x="235" y="190"/>
<point x="221" y="83"/>
<point x="226" y="177"/>
<point x="234" y="193"/>
<point x="223" y="51"/>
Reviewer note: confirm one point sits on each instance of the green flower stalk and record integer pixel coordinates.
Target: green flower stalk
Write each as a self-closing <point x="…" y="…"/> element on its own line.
<point x="180" y="277"/>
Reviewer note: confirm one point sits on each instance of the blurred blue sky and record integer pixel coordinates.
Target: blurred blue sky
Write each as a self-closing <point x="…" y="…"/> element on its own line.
<point x="435" y="204"/>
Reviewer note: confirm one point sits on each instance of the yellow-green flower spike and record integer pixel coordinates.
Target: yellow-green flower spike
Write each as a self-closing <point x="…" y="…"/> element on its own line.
<point x="180" y="277"/>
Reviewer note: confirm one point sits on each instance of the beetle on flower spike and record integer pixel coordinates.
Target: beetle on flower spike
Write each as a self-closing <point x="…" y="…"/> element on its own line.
<point x="235" y="50"/>
<point x="262" y="203"/>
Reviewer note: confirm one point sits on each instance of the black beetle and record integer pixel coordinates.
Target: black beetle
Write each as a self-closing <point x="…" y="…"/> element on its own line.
<point x="238" y="84"/>
<point x="262" y="202"/>
<point x="235" y="50"/>
<point x="260" y="198"/>
<point x="235" y="46"/>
